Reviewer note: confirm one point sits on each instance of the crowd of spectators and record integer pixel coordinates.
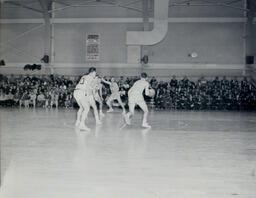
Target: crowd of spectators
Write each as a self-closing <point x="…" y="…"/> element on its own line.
<point x="45" y="91"/>
<point x="203" y="94"/>
<point x="50" y="91"/>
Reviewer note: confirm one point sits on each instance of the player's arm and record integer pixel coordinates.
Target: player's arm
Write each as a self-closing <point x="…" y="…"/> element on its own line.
<point x="106" y="82"/>
<point x="147" y="89"/>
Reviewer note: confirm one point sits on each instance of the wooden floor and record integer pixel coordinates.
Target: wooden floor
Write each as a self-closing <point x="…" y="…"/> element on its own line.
<point x="186" y="154"/>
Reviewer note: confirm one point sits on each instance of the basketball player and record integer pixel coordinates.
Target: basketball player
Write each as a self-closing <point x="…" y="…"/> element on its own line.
<point x="84" y="96"/>
<point x="135" y="97"/>
<point x="115" y="95"/>
<point x="98" y="94"/>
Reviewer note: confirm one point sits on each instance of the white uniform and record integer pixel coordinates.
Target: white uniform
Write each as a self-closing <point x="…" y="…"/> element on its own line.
<point x="115" y="95"/>
<point x="85" y="83"/>
<point x="84" y="91"/>
<point x="97" y="87"/>
<point x="135" y="94"/>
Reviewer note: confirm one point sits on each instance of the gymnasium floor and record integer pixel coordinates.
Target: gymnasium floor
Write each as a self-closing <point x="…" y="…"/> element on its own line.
<point x="185" y="155"/>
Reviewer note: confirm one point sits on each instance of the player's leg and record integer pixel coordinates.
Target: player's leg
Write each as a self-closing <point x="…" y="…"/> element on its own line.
<point x="142" y="104"/>
<point x="86" y="107"/>
<point x="79" y="113"/>
<point x="98" y="99"/>
<point x="77" y="97"/>
<point x="121" y="103"/>
<point x="95" y="110"/>
<point x="128" y="116"/>
<point x="100" y="106"/>
<point x="109" y="102"/>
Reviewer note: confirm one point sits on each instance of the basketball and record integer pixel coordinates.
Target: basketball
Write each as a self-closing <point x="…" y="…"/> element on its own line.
<point x="151" y="93"/>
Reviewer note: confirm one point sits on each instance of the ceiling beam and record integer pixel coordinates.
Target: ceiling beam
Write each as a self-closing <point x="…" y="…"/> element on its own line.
<point x="23" y="6"/>
<point x="104" y="3"/>
<point x="69" y="6"/>
<point x="131" y="2"/>
<point x="227" y="5"/>
<point x="232" y="2"/>
<point x="208" y="3"/>
<point x="122" y="6"/>
<point x="61" y="2"/>
<point x="22" y="34"/>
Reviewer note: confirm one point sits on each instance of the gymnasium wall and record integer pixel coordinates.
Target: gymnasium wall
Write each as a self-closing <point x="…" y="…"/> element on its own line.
<point x="252" y="68"/>
<point x="27" y="48"/>
<point x="219" y="45"/>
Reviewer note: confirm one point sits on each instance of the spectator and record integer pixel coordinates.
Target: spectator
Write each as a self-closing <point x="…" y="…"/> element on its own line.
<point x="54" y="97"/>
<point x="41" y="100"/>
<point x="25" y="99"/>
<point x="174" y="82"/>
<point x="32" y="96"/>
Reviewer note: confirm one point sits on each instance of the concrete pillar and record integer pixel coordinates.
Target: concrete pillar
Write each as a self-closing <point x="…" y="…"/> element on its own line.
<point x="145" y="50"/>
<point x="250" y="42"/>
<point x="46" y="6"/>
<point x="250" y="34"/>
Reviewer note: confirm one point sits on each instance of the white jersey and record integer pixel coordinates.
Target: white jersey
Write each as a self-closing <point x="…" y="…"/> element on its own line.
<point x="86" y="84"/>
<point x="114" y="88"/>
<point x="97" y="86"/>
<point x="138" y="88"/>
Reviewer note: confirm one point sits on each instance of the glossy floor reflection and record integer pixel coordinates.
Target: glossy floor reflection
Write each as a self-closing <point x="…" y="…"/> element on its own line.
<point x="184" y="155"/>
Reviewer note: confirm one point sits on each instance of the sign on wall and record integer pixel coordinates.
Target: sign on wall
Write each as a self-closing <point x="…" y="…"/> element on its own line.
<point x="92" y="47"/>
